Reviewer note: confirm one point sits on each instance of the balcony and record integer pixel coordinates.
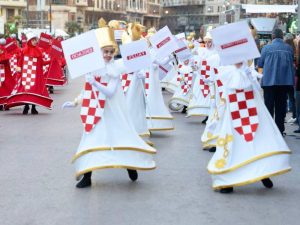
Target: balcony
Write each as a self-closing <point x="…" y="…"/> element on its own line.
<point x="83" y="3"/>
<point x="171" y="3"/>
<point x="13" y="3"/>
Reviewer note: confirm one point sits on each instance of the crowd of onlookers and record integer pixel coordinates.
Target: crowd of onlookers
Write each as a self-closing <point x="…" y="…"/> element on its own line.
<point x="280" y="61"/>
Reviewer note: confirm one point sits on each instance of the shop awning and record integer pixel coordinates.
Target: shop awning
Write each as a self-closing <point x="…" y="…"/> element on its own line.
<point x="269" y="8"/>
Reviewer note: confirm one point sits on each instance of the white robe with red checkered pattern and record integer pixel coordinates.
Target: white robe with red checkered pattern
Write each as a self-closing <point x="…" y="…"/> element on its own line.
<point x="136" y="104"/>
<point x="183" y="92"/>
<point x="158" y="116"/>
<point x="250" y="156"/>
<point x="113" y="142"/>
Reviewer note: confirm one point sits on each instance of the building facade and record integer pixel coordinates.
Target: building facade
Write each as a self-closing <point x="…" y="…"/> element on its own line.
<point x="87" y="12"/>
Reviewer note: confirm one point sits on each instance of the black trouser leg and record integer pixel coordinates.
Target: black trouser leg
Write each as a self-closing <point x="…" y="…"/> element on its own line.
<point x="280" y="106"/>
<point x="291" y="97"/>
<point x="269" y="96"/>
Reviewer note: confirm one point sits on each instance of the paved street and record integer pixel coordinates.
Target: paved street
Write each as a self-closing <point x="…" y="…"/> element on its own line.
<point x="37" y="185"/>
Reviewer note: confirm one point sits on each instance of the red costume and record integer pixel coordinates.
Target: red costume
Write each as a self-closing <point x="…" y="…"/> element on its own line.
<point x="55" y="74"/>
<point x="32" y="88"/>
<point x="7" y="82"/>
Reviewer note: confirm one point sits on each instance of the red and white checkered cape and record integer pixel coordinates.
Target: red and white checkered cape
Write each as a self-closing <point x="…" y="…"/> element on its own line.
<point x="125" y="81"/>
<point x="93" y="103"/>
<point x="13" y="62"/>
<point x="206" y="71"/>
<point x="46" y="57"/>
<point x="29" y="72"/>
<point x="147" y="83"/>
<point x="243" y="112"/>
<point x="2" y="74"/>
<point x="185" y="79"/>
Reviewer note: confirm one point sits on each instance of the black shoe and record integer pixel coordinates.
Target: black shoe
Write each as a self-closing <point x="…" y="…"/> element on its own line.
<point x="33" y="110"/>
<point x="204" y="121"/>
<point x="26" y="109"/>
<point x="267" y="183"/>
<point x="1" y="107"/>
<point x="133" y="175"/>
<point x="212" y="149"/>
<point x="226" y="190"/>
<point x="297" y="131"/>
<point x="86" y="181"/>
<point x="184" y="109"/>
<point x="51" y="89"/>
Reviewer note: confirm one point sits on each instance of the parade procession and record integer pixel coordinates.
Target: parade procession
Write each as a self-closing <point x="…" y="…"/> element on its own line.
<point x="125" y="120"/>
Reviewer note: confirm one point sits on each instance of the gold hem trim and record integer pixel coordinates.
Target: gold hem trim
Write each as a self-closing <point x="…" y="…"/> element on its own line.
<point x="159" y="118"/>
<point x="196" y="107"/>
<point x="210" y="139"/>
<point x="180" y="99"/>
<point x="196" y="115"/>
<point x="112" y="167"/>
<point x="150" y="143"/>
<point x="206" y="147"/>
<point x="161" y="129"/>
<point x="253" y="180"/>
<point x="247" y="162"/>
<point x="145" y="134"/>
<point x="110" y="149"/>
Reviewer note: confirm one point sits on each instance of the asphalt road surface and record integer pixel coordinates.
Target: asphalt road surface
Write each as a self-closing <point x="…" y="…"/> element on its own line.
<point x="37" y="183"/>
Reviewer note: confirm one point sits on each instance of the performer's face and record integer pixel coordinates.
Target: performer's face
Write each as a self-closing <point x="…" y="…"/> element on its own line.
<point x="108" y="53"/>
<point x="34" y="41"/>
<point x="1" y="51"/>
<point x="208" y="44"/>
<point x="186" y="62"/>
<point x="238" y="65"/>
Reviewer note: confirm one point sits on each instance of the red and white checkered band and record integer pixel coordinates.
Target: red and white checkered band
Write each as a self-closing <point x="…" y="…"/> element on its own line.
<point x="29" y="72"/>
<point x="92" y="108"/>
<point x="13" y="63"/>
<point x="46" y="57"/>
<point x="243" y="113"/>
<point x="186" y="81"/>
<point x="147" y="83"/>
<point x="126" y="80"/>
<point x="16" y="87"/>
<point x="206" y="71"/>
<point x="2" y="74"/>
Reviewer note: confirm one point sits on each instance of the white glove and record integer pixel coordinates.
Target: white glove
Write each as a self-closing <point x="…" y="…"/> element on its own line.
<point x="68" y="104"/>
<point x="140" y="75"/>
<point x="155" y="66"/>
<point x="90" y="79"/>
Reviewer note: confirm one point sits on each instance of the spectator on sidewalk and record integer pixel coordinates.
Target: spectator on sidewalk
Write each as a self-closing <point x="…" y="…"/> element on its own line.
<point x="289" y="39"/>
<point x="278" y="76"/>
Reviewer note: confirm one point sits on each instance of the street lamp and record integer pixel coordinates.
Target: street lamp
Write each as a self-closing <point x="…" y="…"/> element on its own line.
<point x="50" y="12"/>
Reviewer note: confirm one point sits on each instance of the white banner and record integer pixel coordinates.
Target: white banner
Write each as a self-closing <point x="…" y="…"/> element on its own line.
<point x="234" y="43"/>
<point x="118" y="34"/>
<point x="183" y="52"/>
<point x="83" y="54"/>
<point x="163" y="42"/>
<point x="163" y="70"/>
<point x="136" y="55"/>
<point x="180" y="36"/>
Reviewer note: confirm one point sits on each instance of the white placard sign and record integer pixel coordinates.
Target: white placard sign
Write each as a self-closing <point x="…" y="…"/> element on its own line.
<point x="180" y="36"/>
<point x="234" y="43"/>
<point x="163" y="42"/>
<point x="183" y="52"/>
<point x="163" y="70"/>
<point x="118" y="34"/>
<point x="136" y="55"/>
<point x="83" y="54"/>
